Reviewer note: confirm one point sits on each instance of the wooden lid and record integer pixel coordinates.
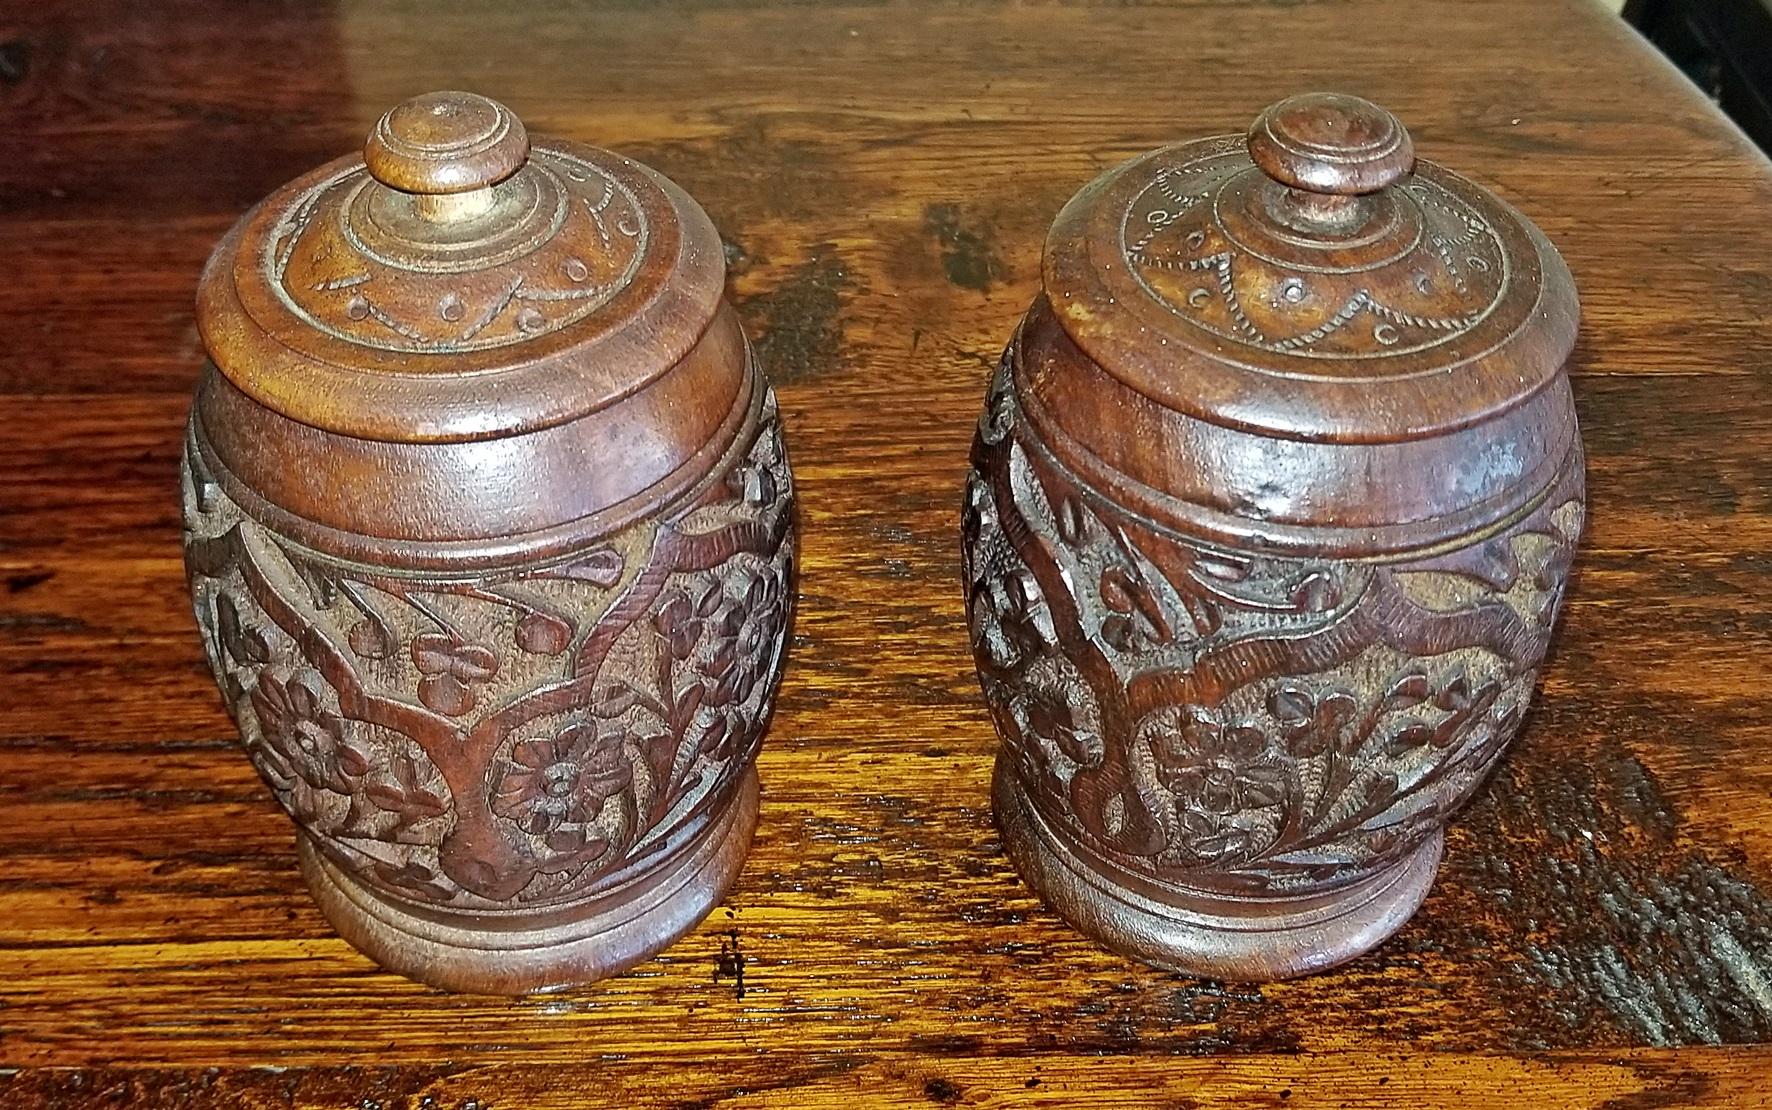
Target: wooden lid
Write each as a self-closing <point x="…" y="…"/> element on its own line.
<point x="457" y="282"/>
<point x="1312" y="281"/>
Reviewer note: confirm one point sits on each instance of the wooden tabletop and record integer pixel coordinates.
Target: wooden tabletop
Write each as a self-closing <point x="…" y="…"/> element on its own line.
<point x="883" y="175"/>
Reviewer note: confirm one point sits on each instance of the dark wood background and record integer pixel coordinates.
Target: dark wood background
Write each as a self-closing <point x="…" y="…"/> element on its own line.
<point x="883" y="175"/>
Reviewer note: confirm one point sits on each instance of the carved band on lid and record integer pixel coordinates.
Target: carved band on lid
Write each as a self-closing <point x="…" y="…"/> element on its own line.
<point x="1271" y="281"/>
<point x="457" y="282"/>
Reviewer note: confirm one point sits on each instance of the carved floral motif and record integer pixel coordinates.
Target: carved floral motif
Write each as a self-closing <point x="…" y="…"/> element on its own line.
<point x="566" y="778"/>
<point x="522" y="737"/>
<point x="1245" y="723"/>
<point x="300" y="737"/>
<point x="451" y="670"/>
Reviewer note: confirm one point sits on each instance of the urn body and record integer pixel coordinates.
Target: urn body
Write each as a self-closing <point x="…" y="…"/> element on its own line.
<point x="1271" y="515"/>
<point x="489" y="532"/>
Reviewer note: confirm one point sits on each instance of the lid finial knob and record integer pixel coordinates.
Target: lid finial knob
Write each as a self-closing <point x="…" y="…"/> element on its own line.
<point x="448" y="149"/>
<point x="1329" y="150"/>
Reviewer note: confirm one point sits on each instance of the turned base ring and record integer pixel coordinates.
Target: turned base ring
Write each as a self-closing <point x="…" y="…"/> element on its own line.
<point x="1211" y="936"/>
<point x="605" y="942"/>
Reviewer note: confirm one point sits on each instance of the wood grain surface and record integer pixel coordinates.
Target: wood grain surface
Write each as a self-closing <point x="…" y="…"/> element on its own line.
<point x="883" y="176"/>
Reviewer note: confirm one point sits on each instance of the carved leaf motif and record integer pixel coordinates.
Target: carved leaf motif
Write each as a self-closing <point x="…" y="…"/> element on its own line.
<point x="1336" y="708"/>
<point x="406" y="796"/>
<point x="1412" y="735"/>
<point x="1015" y="605"/>
<point x="755" y="485"/>
<point x="1116" y="589"/>
<point x="716" y="741"/>
<point x="446" y="694"/>
<point x="1292" y="705"/>
<point x="370" y="640"/>
<point x="319" y="581"/>
<point x="682" y="621"/>
<point x="1455" y="695"/>
<point x="1051" y="717"/>
<point x="1222" y="569"/>
<point x="1137" y="620"/>
<point x="1119" y="633"/>
<point x="600" y="568"/>
<point x="543" y="634"/>
<point x="246" y="645"/>
<point x="1072" y="522"/>
<point x="394" y="800"/>
<point x="1264" y="786"/>
<point x="1244" y="742"/>
<point x="660" y="750"/>
<point x="435" y="653"/>
<point x="683" y="711"/>
<point x="613" y="701"/>
<point x="722" y="666"/>
<point x="1310" y="723"/>
<point x="413" y="877"/>
<point x="1308" y="743"/>
<point x="1381" y="790"/>
<point x="573" y="846"/>
<point x="1206" y="615"/>
<point x="1408" y="691"/>
<point x="352" y="761"/>
<point x="451" y="669"/>
<point x="1315" y="593"/>
<point x="1503" y="564"/>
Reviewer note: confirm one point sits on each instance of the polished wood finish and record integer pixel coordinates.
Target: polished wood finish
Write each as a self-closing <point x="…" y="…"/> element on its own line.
<point x="1272" y="510"/>
<point x="883" y="178"/>
<point x="508" y="677"/>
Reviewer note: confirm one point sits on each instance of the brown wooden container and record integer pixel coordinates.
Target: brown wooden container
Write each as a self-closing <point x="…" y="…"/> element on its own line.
<point x="489" y="531"/>
<point x="1273" y="505"/>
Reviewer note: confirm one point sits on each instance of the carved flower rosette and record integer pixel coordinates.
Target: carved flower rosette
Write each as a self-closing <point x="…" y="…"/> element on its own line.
<point x="507" y="740"/>
<point x="1245" y="724"/>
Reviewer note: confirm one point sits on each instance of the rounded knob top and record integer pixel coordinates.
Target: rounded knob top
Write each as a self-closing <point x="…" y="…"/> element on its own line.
<point x="1331" y="143"/>
<point x="446" y="142"/>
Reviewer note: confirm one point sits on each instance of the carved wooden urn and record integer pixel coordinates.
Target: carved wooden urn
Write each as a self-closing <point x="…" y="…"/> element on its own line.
<point x="489" y="532"/>
<point x="1272" y="508"/>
